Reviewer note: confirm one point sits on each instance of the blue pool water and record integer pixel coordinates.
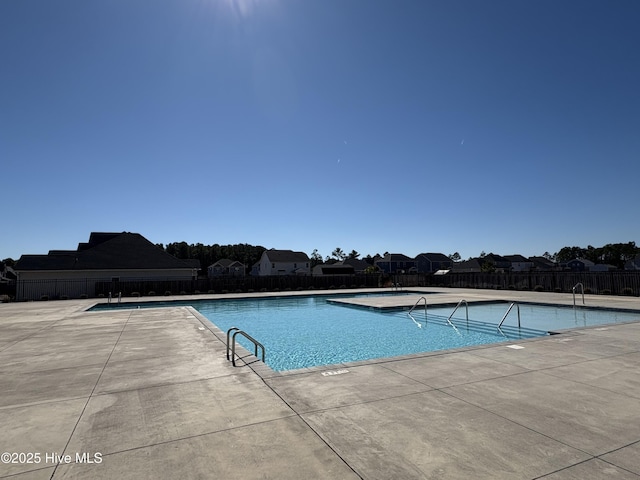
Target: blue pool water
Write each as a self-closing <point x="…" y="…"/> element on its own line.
<point x="307" y="331"/>
<point x="300" y="332"/>
<point x="542" y="317"/>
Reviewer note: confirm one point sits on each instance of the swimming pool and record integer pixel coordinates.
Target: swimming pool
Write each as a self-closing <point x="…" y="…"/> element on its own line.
<point x="300" y="332"/>
<point x="308" y="331"/>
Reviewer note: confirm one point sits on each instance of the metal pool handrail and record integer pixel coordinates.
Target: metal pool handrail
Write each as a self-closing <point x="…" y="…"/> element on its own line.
<point x="119" y="297"/>
<point x="416" y="304"/>
<point x="508" y="310"/>
<point x="232" y="347"/>
<point x="466" y="304"/>
<point x="574" y="293"/>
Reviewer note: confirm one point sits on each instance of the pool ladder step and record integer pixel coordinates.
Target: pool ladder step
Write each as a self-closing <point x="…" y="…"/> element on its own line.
<point x="483" y="327"/>
<point x="231" y="345"/>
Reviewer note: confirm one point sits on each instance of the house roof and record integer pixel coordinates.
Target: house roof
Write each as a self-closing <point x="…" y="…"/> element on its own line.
<point x="517" y="258"/>
<point x="395" y="257"/>
<point x="495" y="258"/>
<point x="107" y="251"/>
<point x="223" y="262"/>
<point x="541" y="259"/>
<point x="583" y="261"/>
<point x="226" y="263"/>
<point x="356" y="263"/>
<point x="333" y="269"/>
<point x="285" y="256"/>
<point x="467" y="265"/>
<point x="542" y="263"/>
<point x="434" y="257"/>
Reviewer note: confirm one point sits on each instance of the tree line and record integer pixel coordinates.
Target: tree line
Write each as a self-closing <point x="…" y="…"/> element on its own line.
<point x="210" y="254"/>
<point x="616" y="254"/>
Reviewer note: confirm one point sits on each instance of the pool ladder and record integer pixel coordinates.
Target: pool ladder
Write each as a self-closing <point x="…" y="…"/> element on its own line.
<point x="460" y="303"/>
<point x="119" y="297"/>
<point x="416" y="304"/>
<point x="574" y="293"/>
<point x="231" y="346"/>
<point x="507" y="314"/>
<point x="466" y="304"/>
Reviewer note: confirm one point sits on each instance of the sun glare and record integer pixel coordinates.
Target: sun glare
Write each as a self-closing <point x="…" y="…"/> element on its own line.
<point x="242" y="8"/>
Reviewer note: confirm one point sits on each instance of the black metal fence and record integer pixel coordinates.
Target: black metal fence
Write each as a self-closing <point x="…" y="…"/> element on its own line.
<point x="610" y="283"/>
<point x="236" y="284"/>
<point x="92" y="288"/>
<point x="606" y="283"/>
<point x="7" y="288"/>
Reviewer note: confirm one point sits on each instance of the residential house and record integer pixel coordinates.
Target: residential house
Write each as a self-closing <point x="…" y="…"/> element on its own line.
<point x="7" y="281"/>
<point x="282" y="262"/>
<point x="432" y="262"/>
<point x="255" y="269"/>
<point x="396" y="263"/>
<point x="7" y="275"/>
<point x="519" y="263"/>
<point x="542" y="264"/>
<point x="633" y="264"/>
<point x="579" y="265"/>
<point x="498" y="263"/>
<point x="602" y="267"/>
<point x="333" y="269"/>
<point x="106" y="257"/>
<point x="359" y="266"/>
<point x="226" y="268"/>
<point x="467" y="266"/>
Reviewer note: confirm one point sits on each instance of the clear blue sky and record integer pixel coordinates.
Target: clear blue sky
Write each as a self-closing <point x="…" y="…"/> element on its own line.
<point x="503" y="126"/>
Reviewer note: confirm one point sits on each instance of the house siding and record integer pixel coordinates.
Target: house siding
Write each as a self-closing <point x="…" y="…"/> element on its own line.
<point x="107" y="257"/>
<point x="271" y="266"/>
<point x="395" y="263"/>
<point x="424" y="264"/>
<point x="34" y="284"/>
<point x="233" y="269"/>
<point x="521" y="266"/>
<point x="282" y="268"/>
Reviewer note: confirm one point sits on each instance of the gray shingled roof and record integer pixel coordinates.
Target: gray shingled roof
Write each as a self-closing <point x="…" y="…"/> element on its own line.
<point x="286" y="256"/>
<point x="395" y="257"/>
<point x="517" y="258"/>
<point x="226" y="263"/>
<point x="333" y="269"/>
<point x="434" y="257"/>
<point x="356" y="263"/>
<point x="107" y="251"/>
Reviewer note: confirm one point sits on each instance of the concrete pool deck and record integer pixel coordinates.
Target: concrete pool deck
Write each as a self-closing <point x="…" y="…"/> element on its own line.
<point x="148" y="393"/>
